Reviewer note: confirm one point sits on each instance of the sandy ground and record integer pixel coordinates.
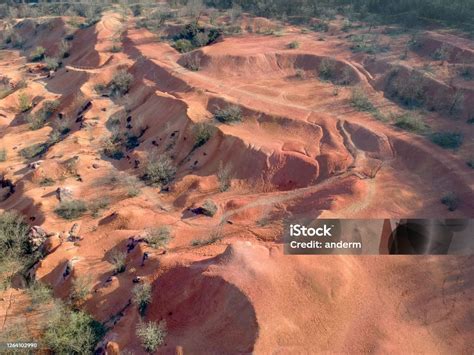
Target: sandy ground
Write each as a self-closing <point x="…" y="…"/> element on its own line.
<point x="301" y="150"/>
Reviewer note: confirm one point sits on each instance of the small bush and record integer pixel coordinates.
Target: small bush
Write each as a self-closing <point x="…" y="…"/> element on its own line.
<point x="49" y="107"/>
<point x="115" y="48"/>
<point x="46" y="181"/>
<point x="224" y="176"/>
<point x="69" y="332"/>
<point x="202" y="133"/>
<point x="183" y="45"/>
<point x="133" y="186"/>
<point x="24" y="102"/>
<point x="51" y="63"/>
<point x="450" y="200"/>
<point x="64" y="48"/>
<point x="98" y="205"/>
<point x="447" y="140"/>
<point x="209" y="208"/>
<point x="35" y="121"/>
<point x="151" y="335"/>
<point x="410" y="122"/>
<point x="40" y="293"/>
<point x="121" y="82"/>
<point x="100" y="88"/>
<point x="442" y="53"/>
<point x="322" y="26"/>
<point x="470" y="163"/>
<point x="141" y="296"/>
<point x="300" y="74"/>
<point x="118" y="260"/>
<point x="3" y="155"/>
<point x="327" y="69"/>
<point x="34" y="150"/>
<point x="71" y="209"/>
<point x="13" y="235"/>
<point x="231" y="113"/>
<point x="410" y="91"/>
<point x="191" y="62"/>
<point x="360" y="101"/>
<point x="112" y="149"/>
<point x="37" y="54"/>
<point x="293" y="45"/>
<point x="160" y="171"/>
<point x="81" y="287"/>
<point x="158" y="237"/>
<point x="215" y="236"/>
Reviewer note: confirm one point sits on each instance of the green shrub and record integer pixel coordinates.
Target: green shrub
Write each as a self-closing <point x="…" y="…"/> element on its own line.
<point x="224" y="176"/>
<point x="322" y="26"/>
<point x="470" y="163"/>
<point x="327" y="69"/>
<point x="35" y="121"/>
<point x="367" y="44"/>
<point x="133" y="186"/>
<point x="81" y="287"/>
<point x="46" y="181"/>
<point x="450" y="200"/>
<point x="51" y="63"/>
<point x="34" y="150"/>
<point x="441" y="53"/>
<point x="300" y="74"/>
<point x="13" y="235"/>
<point x="141" y="296"/>
<point x="209" y="208"/>
<point x="409" y="91"/>
<point x="100" y="88"/>
<point x="121" y="82"/>
<point x="98" y="205"/>
<point x="115" y="48"/>
<point x="40" y="293"/>
<point x="202" y="133"/>
<point x="15" y="251"/>
<point x="24" y="102"/>
<point x="231" y="113"/>
<point x="447" y="140"/>
<point x="37" y="54"/>
<point x="191" y="62"/>
<point x="160" y="171"/>
<point x="193" y="36"/>
<point x="49" y="107"/>
<point x="215" y="236"/>
<point x="111" y="147"/>
<point x="183" y="45"/>
<point x="410" y="122"/>
<point x="71" y="209"/>
<point x="3" y="155"/>
<point x="72" y="332"/>
<point x="151" y="335"/>
<point x="64" y="48"/>
<point x="118" y="260"/>
<point x="293" y="45"/>
<point x="158" y="237"/>
<point x="360" y="101"/>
